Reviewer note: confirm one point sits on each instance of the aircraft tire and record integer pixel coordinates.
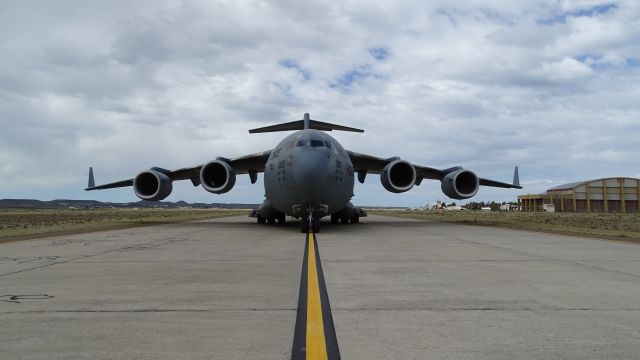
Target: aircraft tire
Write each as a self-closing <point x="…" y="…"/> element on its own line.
<point x="304" y="225"/>
<point x="335" y="219"/>
<point x="315" y="224"/>
<point x="261" y="220"/>
<point x="355" y="219"/>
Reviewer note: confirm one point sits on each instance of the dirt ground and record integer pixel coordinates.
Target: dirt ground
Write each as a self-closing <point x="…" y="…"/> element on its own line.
<point x="622" y="227"/>
<point x="29" y="224"/>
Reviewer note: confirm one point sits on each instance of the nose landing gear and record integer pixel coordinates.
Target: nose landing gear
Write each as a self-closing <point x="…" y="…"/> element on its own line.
<point x="310" y="223"/>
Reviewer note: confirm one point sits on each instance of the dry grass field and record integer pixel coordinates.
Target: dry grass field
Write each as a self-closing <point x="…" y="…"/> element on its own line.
<point x="29" y="224"/>
<point x="624" y="227"/>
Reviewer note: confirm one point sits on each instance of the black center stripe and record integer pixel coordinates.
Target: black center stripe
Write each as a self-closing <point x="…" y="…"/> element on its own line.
<point x="298" y="351"/>
<point x="333" y="351"/>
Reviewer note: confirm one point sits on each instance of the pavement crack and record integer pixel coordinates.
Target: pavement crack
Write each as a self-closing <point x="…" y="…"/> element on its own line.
<point x="484" y="309"/>
<point x="532" y="255"/>
<point x="141" y="311"/>
<point x="144" y="246"/>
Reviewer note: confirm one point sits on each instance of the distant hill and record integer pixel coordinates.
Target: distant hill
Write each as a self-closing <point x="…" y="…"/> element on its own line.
<point x="90" y="204"/>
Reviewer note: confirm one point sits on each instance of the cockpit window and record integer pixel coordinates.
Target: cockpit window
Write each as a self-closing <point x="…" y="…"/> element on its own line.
<point x="302" y="142"/>
<point x="317" y="143"/>
<point x="328" y="143"/>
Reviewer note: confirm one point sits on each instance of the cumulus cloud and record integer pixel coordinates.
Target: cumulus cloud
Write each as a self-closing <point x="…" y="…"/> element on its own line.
<point x="551" y="86"/>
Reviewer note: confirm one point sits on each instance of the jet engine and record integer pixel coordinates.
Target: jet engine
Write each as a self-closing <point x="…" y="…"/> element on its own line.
<point x="217" y="177"/>
<point x="152" y="185"/>
<point x="460" y="184"/>
<point x="398" y="176"/>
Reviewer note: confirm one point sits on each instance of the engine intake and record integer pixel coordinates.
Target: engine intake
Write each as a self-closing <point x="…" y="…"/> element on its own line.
<point x="398" y="176"/>
<point x="152" y="185"/>
<point x="217" y="177"/>
<point x="461" y="184"/>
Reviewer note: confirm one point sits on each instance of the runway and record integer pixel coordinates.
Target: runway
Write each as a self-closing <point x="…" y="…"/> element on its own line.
<point x="398" y="289"/>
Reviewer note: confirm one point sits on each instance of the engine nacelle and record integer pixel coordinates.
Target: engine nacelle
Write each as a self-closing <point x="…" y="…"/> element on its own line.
<point x="217" y="177"/>
<point x="398" y="176"/>
<point x="460" y="184"/>
<point x="152" y="185"/>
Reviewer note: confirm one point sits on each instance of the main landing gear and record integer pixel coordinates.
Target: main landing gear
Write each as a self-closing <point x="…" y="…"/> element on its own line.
<point x="354" y="219"/>
<point x="280" y="219"/>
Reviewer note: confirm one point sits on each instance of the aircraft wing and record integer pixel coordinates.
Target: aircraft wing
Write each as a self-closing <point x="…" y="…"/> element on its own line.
<point x="363" y="164"/>
<point x="249" y="164"/>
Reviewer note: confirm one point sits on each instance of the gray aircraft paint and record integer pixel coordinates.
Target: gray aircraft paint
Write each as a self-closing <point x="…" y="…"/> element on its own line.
<point x="308" y="175"/>
<point x="309" y="168"/>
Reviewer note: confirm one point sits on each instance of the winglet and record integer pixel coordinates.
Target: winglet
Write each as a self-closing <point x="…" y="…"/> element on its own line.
<point x="92" y="182"/>
<point x="516" y="177"/>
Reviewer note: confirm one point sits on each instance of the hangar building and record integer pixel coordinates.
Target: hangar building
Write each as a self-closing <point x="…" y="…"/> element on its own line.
<point x="608" y="195"/>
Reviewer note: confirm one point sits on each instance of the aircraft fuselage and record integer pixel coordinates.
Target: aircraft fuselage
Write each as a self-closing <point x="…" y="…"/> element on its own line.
<point x="308" y="170"/>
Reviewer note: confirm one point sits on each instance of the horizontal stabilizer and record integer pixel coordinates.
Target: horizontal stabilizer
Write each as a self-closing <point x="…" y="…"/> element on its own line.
<point x="306" y="123"/>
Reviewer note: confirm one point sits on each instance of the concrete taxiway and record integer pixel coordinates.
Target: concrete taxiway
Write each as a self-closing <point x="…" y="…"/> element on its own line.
<point x="398" y="289"/>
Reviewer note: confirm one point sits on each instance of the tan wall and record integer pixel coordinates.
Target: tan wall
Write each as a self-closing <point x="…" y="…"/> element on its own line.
<point x="605" y="195"/>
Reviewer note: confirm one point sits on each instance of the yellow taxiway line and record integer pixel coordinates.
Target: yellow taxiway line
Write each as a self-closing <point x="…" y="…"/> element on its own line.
<point x="314" y="336"/>
<point x="316" y="343"/>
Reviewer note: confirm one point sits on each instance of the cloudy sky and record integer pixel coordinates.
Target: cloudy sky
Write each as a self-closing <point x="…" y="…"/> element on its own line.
<point x="551" y="86"/>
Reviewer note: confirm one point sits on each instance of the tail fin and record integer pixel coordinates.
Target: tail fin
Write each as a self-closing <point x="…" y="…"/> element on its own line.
<point x="306" y="123"/>
<point x="516" y="177"/>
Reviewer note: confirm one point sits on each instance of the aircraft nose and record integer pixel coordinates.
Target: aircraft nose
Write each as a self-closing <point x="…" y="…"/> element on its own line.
<point x="311" y="170"/>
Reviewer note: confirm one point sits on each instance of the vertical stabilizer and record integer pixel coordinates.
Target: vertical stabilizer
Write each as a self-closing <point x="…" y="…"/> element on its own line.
<point x="307" y="121"/>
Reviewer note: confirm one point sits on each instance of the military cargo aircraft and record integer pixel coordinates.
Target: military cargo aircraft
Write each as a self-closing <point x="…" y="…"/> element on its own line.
<point x="308" y="175"/>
